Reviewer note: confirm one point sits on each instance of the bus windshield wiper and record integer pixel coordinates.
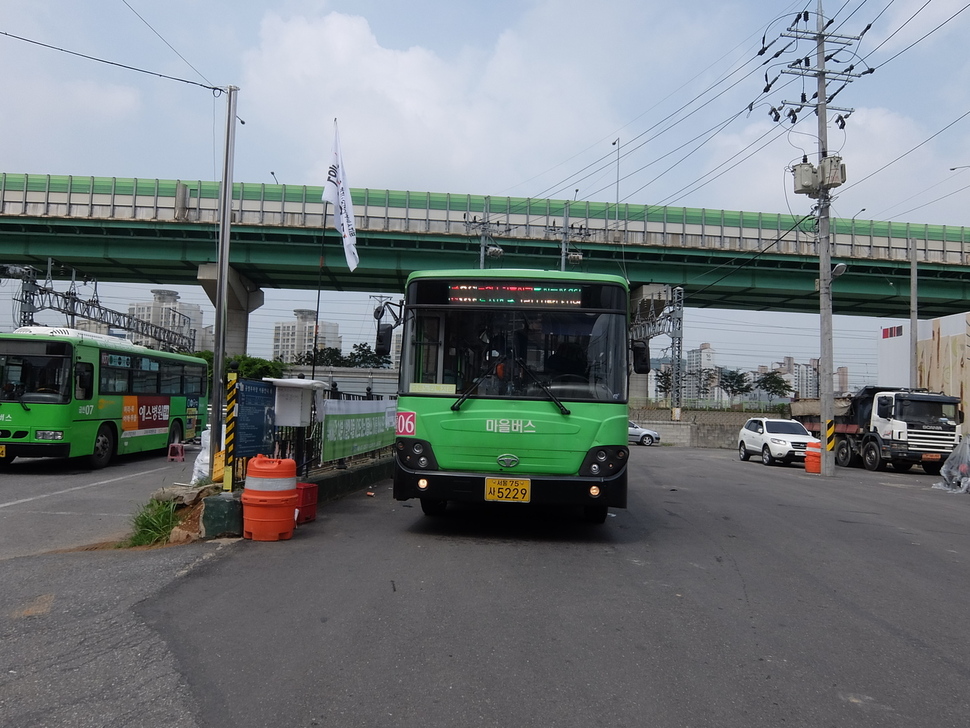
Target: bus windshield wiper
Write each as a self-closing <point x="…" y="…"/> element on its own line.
<point x="474" y="385"/>
<point x="553" y="397"/>
<point x="22" y="403"/>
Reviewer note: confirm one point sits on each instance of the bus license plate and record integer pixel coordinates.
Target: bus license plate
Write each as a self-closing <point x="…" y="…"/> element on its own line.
<point x="3" y="451"/>
<point x="508" y="490"/>
<point x="931" y="456"/>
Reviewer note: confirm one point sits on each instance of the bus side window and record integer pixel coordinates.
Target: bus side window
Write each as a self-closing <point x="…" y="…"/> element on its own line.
<point x="83" y="380"/>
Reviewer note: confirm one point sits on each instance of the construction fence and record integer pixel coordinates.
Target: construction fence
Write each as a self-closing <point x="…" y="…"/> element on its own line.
<point x="337" y="430"/>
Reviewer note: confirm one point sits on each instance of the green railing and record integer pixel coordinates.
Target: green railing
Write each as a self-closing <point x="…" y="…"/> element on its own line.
<point x="420" y="204"/>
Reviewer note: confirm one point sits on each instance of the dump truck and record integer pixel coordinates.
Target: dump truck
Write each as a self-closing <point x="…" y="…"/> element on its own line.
<point x="880" y="426"/>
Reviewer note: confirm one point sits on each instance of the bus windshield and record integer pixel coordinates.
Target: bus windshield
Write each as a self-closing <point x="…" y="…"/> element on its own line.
<point x="35" y="371"/>
<point x="522" y="354"/>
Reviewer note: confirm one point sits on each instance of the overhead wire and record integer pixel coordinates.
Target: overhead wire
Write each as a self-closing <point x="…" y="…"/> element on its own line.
<point x="566" y="182"/>
<point x="901" y="27"/>
<point x="922" y="38"/>
<point x="908" y="152"/>
<point x="749" y="259"/>
<point x="96" y="59"/>
<point x="184" y="59"/>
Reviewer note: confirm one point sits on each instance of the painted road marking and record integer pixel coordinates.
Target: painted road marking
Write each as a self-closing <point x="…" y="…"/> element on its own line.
<point x="80" y="487"/>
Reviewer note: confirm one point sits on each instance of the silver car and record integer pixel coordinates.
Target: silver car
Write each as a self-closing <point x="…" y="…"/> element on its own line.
<point x="642" y="435"/>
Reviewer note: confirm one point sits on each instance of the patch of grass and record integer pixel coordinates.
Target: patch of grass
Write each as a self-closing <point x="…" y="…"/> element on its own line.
<point x="153" y="524"/>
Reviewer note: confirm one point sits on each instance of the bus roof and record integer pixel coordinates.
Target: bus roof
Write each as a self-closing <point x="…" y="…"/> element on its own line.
<point x="518" y="274"/>
<point x="76" y="336"/>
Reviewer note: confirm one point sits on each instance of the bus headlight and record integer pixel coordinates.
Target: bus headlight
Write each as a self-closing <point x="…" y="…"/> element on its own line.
<point x="49" y="435"/>
<point x="604" y="461"/>
<point x="415" y="454"/>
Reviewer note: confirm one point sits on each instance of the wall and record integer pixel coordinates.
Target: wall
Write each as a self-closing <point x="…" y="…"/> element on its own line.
<point x="700" y="428"/>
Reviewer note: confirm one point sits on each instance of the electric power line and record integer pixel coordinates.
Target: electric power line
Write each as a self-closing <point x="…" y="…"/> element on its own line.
<point x="201" y="75"/>
<point x="111" y="63"/>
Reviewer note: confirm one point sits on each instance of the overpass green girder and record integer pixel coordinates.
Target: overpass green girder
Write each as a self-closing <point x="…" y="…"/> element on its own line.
<point x="169" y="253"/>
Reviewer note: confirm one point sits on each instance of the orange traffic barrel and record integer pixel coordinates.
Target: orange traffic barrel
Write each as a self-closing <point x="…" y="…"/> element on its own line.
<point x="270" y="499"/>
<point x="813" y="457"/>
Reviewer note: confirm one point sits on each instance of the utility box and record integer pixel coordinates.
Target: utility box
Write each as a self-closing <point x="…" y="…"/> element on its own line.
<point x="806" y="179"/>
<point x="831" y="172"/>
<point x="294" y="400"/>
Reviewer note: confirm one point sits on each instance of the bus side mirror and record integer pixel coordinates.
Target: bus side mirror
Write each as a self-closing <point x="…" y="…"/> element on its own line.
<point x="383" y="345"/>
<point x="641" y="357"/>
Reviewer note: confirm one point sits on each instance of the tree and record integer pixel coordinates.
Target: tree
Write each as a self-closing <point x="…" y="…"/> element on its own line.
<point x="365" y="357"/>
<point x="664" y="382"/>
<point x="249" y="367"/>
<point x="328" y="356"/>
<point x="735" y="382"/>
<point x="252" y="367"/>
<point x="706" y="379"/>
<point x="773" y="384"/>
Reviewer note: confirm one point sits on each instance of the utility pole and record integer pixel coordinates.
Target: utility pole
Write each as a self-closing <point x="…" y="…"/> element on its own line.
<point x="817" y="183"/>
<point x="567" y="254"/>
<point x="913" y="318"/>
<point x="222" y="283"/>
<point x="826" y="365"/>
<point x="565" y="237"/>
<point x="488" y="248"/>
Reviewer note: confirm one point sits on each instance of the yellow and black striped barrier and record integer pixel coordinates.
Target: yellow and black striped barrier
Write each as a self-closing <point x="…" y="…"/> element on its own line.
<point x="830" y="435"/>
<point x="230" y="430"/>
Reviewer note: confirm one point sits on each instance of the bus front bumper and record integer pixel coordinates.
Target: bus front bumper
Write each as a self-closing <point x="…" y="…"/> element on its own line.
<point x="35" y="449"/>
<point x="544" y="490"/>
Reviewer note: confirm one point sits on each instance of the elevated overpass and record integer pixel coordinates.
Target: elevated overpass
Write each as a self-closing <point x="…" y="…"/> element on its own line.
<point x="165" y="232"/>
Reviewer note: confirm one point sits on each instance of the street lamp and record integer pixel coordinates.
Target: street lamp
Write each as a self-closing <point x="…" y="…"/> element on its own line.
<point x="616" y="143"/>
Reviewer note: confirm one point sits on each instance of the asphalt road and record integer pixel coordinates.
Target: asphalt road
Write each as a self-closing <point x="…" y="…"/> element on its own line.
<point x="728" y="594"/>
<point x="48" y="503"/>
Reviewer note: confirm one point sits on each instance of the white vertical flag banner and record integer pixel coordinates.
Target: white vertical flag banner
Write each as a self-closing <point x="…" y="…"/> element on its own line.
<point x="337" y="192"/>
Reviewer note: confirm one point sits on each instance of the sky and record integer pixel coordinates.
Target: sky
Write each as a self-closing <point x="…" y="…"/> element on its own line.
<point x="510" y="97"/>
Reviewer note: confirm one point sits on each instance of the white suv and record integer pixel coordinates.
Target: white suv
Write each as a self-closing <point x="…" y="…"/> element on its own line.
<point x="775" y="440"/>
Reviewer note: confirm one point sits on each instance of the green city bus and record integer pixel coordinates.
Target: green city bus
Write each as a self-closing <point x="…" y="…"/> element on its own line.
<point x="70" y="393"/>
<point x="513" y="389"/>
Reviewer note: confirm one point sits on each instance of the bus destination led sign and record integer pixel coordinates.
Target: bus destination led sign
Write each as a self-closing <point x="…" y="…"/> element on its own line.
<point x="511" y="294"/>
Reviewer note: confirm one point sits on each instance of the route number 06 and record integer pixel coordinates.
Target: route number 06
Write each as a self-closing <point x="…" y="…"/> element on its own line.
<point x="405" y="424"/>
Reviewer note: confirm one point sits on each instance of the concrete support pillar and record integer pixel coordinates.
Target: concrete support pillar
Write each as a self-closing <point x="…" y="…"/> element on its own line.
<point x="244" y="297"/>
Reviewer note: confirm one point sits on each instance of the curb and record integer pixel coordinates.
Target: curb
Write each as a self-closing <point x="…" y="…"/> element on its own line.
<point x="222" y="513"/>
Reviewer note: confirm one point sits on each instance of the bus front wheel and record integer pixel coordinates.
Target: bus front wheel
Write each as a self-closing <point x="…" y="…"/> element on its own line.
<point x="432" y="507"/>
<point x="595" y="514"/>
<point x="104" y="448"/>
